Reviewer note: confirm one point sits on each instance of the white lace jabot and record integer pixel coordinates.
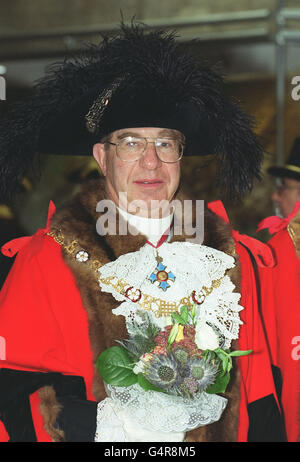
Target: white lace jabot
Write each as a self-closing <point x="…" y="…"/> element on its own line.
<point x="193" y="272"/>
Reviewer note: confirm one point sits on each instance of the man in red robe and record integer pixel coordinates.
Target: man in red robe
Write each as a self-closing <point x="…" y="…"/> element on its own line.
<point x="281" y="286"/>
<point x="287" y="191"/>
<point x="138" y="115"/>
<point x="281" y="311"/>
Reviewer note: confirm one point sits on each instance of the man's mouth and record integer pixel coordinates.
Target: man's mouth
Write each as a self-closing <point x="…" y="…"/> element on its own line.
<point x="148" y="182"/>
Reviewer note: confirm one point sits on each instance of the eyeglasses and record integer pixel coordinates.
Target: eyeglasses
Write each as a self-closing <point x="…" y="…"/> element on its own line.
<point x="130" y="149"/>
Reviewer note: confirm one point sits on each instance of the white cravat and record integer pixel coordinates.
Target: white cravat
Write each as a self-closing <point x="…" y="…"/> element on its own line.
<point x="152" y="228"/>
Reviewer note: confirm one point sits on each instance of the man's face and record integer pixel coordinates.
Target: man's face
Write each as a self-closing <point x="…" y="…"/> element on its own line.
<point x="146" y="179"/>
<point x="286" y="194"/>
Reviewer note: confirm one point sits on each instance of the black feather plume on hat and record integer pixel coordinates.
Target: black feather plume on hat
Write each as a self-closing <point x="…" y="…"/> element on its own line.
<point x="145" y="80"/>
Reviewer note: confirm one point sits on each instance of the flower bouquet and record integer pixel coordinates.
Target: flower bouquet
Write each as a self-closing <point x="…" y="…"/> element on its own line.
<point x="169" y="369"/>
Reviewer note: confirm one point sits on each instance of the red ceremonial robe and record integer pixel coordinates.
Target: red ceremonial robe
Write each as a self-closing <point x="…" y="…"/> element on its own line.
<point x="281" y="313"/>
<point x="42" y="318"/>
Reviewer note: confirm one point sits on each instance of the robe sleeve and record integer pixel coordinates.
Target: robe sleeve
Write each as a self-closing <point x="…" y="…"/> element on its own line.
<point x="41" y="319"/>
<point x="260" y="418"/>
<point x="280" y="292"/>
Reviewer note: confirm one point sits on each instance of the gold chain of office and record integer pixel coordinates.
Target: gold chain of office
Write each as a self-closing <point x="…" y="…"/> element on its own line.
<point x="147" y="302"/>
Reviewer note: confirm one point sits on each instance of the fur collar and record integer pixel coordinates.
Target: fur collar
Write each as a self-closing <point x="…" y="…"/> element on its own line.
<point x="76" y="223"/>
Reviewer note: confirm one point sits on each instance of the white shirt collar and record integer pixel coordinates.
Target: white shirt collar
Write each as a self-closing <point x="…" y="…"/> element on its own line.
<point x="152" y="228"/>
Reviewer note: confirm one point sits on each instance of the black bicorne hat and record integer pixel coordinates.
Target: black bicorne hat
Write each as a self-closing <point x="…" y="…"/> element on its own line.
<point x="292" y="168"/>
<point x="139" y="78"/>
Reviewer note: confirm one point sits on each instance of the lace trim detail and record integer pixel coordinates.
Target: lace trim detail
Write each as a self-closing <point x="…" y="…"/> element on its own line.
<point x="197" y="268"/>
<point x="179" y="414"/>
<point x="109" y="426"/>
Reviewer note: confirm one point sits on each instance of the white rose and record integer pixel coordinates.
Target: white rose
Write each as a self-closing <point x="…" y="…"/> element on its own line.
<point x="139" y="367"/>
<point x="205" y="337"/>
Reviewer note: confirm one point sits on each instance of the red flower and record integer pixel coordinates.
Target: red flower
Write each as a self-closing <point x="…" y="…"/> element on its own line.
<point x="187" y="343"/>
<point x="159" y="350"/>
<point x="162" y="339"/>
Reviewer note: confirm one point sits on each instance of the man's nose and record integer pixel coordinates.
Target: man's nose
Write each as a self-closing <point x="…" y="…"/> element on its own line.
<point x="275" y="196"/>
<point x="150" y="159"/>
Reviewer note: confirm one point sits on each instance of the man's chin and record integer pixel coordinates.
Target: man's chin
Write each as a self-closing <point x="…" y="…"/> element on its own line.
<point x="150" y="208"/>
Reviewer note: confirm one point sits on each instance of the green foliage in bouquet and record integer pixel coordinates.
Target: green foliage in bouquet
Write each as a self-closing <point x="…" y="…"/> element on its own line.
<point x="115" y="366"/>
<point x="167" y="360"/>
<point x="141" y="339"/>
<point x="224" y="359"/>
<point x="184" y="316"/>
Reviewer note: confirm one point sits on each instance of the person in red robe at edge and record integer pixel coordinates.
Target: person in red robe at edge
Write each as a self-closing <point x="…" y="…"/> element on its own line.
<point x="281" y="293"/>
<point x="139" y="104"/>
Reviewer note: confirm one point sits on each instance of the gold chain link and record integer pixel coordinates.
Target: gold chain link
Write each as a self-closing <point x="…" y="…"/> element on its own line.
<point x="73" y="248"/>
<point x="164" y="308"/>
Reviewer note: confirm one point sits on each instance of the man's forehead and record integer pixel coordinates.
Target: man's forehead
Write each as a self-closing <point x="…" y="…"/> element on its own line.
<point x="147" y="131"/>
<point x="290" y="182"/>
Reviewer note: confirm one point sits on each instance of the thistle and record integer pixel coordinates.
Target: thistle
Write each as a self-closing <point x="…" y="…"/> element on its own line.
<point x="136" y="350"/>
<point x="163" y="371"/>
<point x="141" y="339"/>
<point x="189" y="387"/>
<point x="181" y="355"/>
<point x="203" y="371"/>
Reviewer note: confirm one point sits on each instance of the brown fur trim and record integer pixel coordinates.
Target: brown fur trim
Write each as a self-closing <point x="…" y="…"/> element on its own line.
<point x="50" y="408"/>
<point x="294" y="232"/>
<point x="76" y="221"/>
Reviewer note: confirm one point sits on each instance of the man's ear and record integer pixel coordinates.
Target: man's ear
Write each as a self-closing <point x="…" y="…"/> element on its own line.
<point x="99" y="154"/>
